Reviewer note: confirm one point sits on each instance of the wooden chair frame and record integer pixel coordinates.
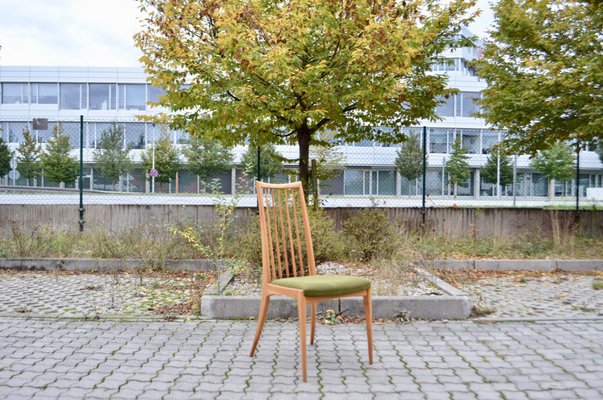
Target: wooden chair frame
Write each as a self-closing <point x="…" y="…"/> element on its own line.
<point x="282" y="257"/>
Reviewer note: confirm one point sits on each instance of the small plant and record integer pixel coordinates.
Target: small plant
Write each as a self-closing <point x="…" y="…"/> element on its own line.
<point x="369" y="235"/>
<point x="480" y="310"/>
<point x="331" y="317"/>
<point x="597" y="284"/>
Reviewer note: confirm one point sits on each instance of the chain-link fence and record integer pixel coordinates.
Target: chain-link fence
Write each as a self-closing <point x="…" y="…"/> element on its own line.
<point x="85" y="162"/>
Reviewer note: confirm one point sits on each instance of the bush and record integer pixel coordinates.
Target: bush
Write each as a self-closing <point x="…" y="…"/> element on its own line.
<point x="327" y="242"/>
<point x="369" y="235"/>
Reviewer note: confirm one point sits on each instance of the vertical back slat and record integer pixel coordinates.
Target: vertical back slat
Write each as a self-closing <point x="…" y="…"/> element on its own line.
<point x="290" y="198"/>
<point x="281" y="198"/>
<point x="266" y="207"/>
<point x="300" y="253"/>
<point x="277" y="246"/>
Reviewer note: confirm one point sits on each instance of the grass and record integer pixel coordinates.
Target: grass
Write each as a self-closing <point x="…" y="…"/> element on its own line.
<point x="597" y="284"/>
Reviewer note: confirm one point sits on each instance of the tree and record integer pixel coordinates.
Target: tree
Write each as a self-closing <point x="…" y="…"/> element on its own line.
<point x="409" y="161"/>
<point x="167" y="158"/>
<point x="544" y="68"/>
<point x="457" y="165"/>
<point x="28" y="160"/>
<point x="206" y="156"/>
<point x="497" y="170"/>
<point x="57" y="163"/>
<point x="283" y="72"/>
<point x="5" y="157"/>
<point x="271" y="163"/>
<point x="556" y="163"/>
<point x="111" y="158"/>
<point x="600" y="150"/>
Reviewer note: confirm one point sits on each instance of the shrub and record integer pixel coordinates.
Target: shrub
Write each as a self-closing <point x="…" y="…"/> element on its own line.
<point x="369" y="234"/>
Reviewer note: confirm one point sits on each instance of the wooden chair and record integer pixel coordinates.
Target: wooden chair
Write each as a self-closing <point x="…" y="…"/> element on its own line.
<point x="288" y="266"/>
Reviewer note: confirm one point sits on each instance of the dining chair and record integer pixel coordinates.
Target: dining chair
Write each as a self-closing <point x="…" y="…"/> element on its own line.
<point x="288" y="265"/>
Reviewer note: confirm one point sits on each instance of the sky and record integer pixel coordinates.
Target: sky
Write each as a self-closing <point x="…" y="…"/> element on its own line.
<point x="89" y="33"/>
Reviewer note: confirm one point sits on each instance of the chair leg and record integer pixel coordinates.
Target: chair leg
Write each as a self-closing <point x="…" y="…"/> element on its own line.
<point x="312" y="322"/>
<point x="261" y="319"/>
<point x="301" y="314"/>
<point x="368" y="313"/>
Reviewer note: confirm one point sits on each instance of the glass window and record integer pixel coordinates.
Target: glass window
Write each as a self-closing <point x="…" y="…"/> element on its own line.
<point x="43" y="135"/>
<point x="446" y="109"/>
<point x="132" y="97"/>
<point x="438" y="141"/>
<point x="470" y="140"/>
<point x="73" y="96"/>
<point x="103" y="96"/>
<point x="134" y="134"/>
<point x="468" y="103"/>
<point x="387" y="182"/>
<point x="47" y="93"/>
<point x="15" y="131"/>
<point x="489" y="139"/>
<point x="43" y="93"/>
<point x="14" y="93"/>
<point x="353" y="182"/>
<point x="153" y="93"/>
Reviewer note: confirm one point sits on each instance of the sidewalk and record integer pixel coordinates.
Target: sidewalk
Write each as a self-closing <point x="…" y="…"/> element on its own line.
<point x="45" y="359"/>
<point x="555" y="352"/>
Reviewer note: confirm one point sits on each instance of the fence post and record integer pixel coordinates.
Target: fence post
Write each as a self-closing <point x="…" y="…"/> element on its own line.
<point x="81" y="178"/>
<point x="424" y="191"/>
<point x="577" y="216"/>
<point x="314" y="185"/>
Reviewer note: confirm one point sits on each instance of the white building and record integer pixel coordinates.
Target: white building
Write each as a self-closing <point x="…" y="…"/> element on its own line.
<point x="107" y="95"/>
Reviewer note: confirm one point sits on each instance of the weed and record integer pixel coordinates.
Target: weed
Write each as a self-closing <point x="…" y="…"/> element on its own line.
<point x="480" y="310"/>
<point x="597" y="284"/>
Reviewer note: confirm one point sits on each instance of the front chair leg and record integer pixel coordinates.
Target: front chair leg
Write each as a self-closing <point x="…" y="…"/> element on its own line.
<point x="301" y="314"/>
<point x="261" y="319"/>
<point x="368" y="314"/>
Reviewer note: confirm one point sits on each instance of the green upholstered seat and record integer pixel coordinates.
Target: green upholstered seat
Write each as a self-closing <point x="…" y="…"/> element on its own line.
<point x="325" y="285"/>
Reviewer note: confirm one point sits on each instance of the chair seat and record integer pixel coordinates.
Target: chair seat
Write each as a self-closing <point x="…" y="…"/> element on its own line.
<point x="325" y="285"/>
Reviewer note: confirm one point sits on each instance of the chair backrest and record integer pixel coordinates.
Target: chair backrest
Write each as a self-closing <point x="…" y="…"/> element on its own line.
<point x="285" y="229"/>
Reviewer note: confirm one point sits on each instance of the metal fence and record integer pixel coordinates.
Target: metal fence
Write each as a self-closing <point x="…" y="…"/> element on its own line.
<point x="365" y="174"/>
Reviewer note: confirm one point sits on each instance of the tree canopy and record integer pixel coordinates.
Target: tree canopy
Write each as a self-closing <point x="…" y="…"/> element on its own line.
<point x="57" y="163"/>
<point x="111" y="157"/>
<point x="206" y="156"/>
<point x="271" y="162"/>
<point x="283" y="72"/>
<point x="409" y="160"/>
<point x="28" y="160"/>
<point x="457" y="166"/>
<point x="495" y="170"/>
<point x="5" y="156"/>
<point x="544" y="69"/>
<point x="556" y="162"/>
<point x="167" y="158"/>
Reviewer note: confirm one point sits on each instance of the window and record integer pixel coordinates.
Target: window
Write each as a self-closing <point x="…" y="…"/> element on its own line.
<point x="438" y="141"/>
<point x="153" y="93"/>
<point x="446" y="109"/>
<point x="134" y="135"/>
<point x="44" y="93"/>
<point x="103" y="96"/>
<point x="470" y="140"/>
<point x="14" y="93"/>
<point x="74" y="96"/>
<point x="369" y="182"/>
<point x="468" y="104"/>
<point x="132" y="97"/>
<point x="489" y="139"/>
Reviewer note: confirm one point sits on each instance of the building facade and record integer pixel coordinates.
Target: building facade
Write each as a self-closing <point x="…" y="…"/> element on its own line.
<point x="104" y="96"/>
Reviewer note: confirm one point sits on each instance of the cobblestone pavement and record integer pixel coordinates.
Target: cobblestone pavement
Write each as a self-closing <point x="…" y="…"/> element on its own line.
<point x="556" y="295"/>
<point x="60" y="359"/>
<point x="89" y="295"/>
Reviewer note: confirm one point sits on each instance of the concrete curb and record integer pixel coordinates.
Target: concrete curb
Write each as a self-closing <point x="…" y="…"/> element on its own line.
<point x="454" y="305"/>
<point x="102" y="264"/>
<point x="515" y="265"/>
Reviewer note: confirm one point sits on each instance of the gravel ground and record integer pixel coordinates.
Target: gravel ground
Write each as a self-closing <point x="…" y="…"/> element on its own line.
<point x="391" y="283"/>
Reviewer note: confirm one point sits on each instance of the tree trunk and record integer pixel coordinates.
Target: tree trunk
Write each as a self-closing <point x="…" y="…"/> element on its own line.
<point x="551" y="191"/>
<point x="304" y="138"/>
